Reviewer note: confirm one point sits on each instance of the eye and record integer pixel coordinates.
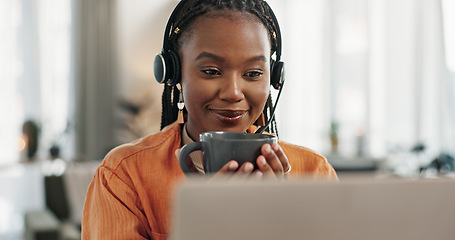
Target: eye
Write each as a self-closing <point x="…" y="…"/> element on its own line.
<point x="253" y="74"/>
<point x="211" y="72"/>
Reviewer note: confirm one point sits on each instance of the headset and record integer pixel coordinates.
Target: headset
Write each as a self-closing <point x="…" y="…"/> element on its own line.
<point x="167" y="67"/>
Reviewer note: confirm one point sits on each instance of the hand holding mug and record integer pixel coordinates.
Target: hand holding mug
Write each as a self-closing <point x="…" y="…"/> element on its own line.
<point x="272" y="163"/>
<point x="258" y="153"/>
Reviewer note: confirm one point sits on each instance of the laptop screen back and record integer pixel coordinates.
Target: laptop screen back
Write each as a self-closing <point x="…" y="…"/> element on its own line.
<point x="356" y="209"/>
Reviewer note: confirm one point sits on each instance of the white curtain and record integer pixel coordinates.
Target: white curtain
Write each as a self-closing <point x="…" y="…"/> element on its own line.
<point x="395" y="82"/>
<point x="34" y="85"/>
<point x="10" y="72"/>
<point x="94" y="86"/>
<point x="303" y="113"/>
<point x="35" y="73"/>
<point x="418" y="107"/>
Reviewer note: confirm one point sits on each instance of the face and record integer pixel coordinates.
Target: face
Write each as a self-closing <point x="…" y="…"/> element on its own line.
<point x="225" y="73"/>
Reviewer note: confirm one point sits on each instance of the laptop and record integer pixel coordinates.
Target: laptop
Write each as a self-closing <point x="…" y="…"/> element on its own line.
<point x="303" y="209"/>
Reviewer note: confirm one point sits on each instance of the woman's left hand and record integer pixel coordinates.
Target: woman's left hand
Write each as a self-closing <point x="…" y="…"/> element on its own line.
<point x="273" y="163"/>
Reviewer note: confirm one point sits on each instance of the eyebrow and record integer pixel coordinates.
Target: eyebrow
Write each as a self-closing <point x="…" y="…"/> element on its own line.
<point x="209" y="55"/>
<point x="218" y="58"/>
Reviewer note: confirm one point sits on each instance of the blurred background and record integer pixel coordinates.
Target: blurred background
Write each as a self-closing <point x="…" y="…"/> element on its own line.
<point x="369" y="83"/>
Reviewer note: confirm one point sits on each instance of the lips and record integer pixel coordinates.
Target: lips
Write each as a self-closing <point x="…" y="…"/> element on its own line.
<point x="229" y="116"/>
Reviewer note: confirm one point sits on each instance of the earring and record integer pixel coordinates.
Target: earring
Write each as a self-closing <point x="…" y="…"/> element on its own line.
<point x="180" y="106"/>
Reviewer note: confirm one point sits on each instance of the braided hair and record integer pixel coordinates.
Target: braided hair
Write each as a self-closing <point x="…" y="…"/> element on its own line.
<point x="192" y="9"/>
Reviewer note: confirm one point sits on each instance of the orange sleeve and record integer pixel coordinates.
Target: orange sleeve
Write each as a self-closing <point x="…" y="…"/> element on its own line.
<point x="325" y="170"/>
<point x="304" y="161"/>
<point x="307" y="163"/>
<point x="114" y="212"/>
<point x="130" y="195"/>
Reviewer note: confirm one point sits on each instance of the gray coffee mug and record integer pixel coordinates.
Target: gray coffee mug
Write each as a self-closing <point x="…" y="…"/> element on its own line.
<point x="218" y="148"/>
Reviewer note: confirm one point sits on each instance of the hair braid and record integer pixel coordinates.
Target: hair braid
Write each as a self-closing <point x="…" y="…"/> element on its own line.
<point x="164" y="108"/>
<point x="169" y="111"/>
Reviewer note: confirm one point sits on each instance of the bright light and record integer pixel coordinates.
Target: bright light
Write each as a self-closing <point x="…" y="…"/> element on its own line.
<point x="448" y="7"/>
<point x="22" y="143"/>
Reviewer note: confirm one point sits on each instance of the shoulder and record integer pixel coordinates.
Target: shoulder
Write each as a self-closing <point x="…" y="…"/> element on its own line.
<point x="300" y="150"/>
<point x="168" y="138"/>
<point x="307" y="161"/>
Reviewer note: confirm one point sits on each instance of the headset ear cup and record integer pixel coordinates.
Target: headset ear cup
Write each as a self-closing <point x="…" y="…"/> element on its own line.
<point x="272" y="70"/>
<point x="277" y="74"/>
<point x="159" y="67"/>
<point x="166" y="67"/>
<point x="175" y="73"/>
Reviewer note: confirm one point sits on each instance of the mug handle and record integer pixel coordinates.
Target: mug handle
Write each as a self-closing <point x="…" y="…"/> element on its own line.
<point x="184" y="152"/>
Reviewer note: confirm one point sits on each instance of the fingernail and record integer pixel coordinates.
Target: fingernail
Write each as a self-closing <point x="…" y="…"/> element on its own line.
<point x="262" y="161"/>
<point x="248" y="168"/>
<point x="258" y="174"/>
<point x="267" y="148"/>
<point x="232" y="166"/>
<point x="275" y="147"/>
<point x="288" y="169"/>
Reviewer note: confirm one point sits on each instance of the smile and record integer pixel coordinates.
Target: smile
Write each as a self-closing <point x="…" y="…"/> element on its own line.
<point x="228" y="116"/>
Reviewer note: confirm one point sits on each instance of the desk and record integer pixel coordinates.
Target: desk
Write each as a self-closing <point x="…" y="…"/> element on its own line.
<point x="354" y="164"/>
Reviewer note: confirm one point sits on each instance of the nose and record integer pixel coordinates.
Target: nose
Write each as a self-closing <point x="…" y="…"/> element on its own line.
<point x="231" y="90"/>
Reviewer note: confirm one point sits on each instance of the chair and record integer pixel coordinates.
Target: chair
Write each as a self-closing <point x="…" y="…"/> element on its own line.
<point x="64" y="198"/>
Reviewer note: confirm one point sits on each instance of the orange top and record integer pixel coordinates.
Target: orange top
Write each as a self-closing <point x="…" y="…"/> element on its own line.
<point x="130" y="195"/>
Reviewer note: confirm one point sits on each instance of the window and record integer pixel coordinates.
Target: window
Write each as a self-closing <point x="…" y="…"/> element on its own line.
<point x="11" y="105"/>
<point x="377" y="69"/>
<point x="349" y="77"/>
<point x="35" y="51"/>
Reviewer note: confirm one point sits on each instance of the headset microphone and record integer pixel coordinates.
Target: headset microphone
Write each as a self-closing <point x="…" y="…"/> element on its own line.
<point x="272" y="115"/>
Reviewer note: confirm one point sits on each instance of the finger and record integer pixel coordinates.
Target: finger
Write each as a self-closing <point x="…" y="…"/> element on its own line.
<point x="246" y="168"/>
<point x="282" y="157"/>
<point x="272" y="158"/>
<point x="229" y="167"/>
<point x="257" y="174"/>
<point x="265" y="168"/>
<point x="244" y="171"/>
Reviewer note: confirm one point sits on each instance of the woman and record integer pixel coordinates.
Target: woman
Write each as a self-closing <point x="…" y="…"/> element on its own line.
<point x="221" y="53"/>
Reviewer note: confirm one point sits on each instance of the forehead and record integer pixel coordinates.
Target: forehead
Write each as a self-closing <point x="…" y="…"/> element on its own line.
<point x="227" y="31"/>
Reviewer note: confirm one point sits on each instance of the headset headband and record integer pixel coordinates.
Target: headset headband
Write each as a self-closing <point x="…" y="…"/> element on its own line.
<point x="170" y="25"/>
<point x="169" y="31"/>
<point x="277" y="31"/>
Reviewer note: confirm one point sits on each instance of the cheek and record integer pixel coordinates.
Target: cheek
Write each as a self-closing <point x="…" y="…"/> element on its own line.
<point x="189" y="95"/>
<point x="190" y="92"/>
<point x="192" y="96"/>
<point x="259" y="96"/>
<point x="195" y="95"/>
